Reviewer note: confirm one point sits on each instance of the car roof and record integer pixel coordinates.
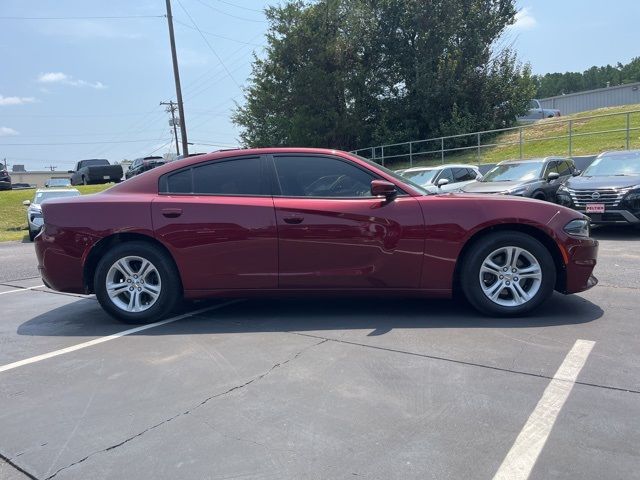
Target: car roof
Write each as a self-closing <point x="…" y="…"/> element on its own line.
<point x="43" y="190"/>
<point x="532" y="160"/>
<point x="440" y="167"/>
<point x="618" y="153"/>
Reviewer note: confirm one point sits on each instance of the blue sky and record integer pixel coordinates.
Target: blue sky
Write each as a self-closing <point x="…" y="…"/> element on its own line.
<point x="91" y="87"/>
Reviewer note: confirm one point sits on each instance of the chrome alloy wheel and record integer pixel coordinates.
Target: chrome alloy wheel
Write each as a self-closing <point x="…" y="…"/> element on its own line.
<point x="510" y="276"/>
<point x="133" y="284"/>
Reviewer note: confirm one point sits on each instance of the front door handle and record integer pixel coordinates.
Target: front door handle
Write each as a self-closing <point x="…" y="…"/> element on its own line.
<point x="293" y="220"/>
<point x="172" y="212"/>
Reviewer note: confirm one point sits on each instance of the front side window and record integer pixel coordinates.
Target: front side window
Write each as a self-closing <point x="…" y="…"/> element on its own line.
<point x="312" y="176"/>
<point x="565" y="168"/>
<point x="446" y="173"/>
<point x="552" y="167"/>
<point x="241" y="176"/>
<point x="462" y="175"/>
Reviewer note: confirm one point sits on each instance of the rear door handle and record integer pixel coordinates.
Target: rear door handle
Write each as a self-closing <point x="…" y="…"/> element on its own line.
<point x="171" y="212"/>
<point x="295" y="220"/>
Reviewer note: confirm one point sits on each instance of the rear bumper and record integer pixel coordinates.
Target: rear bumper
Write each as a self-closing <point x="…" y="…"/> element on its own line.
<point x="581" y="257"/>
<point x="60" y="259"/>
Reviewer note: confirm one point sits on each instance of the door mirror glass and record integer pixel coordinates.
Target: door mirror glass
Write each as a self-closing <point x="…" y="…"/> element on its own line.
<point x="382" y="188"/>
<point x="577" y="173"/>
<point x="553" y="176"/>
<point x="442" y="182"/>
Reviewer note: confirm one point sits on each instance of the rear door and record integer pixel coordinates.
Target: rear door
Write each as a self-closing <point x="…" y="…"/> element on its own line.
<point x="218" y="220"/>
<point x="334" y="235"/>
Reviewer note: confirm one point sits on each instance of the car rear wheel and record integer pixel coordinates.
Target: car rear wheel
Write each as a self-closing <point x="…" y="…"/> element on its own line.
<point x="507" y="273"/>
<point x="137" y="283"/>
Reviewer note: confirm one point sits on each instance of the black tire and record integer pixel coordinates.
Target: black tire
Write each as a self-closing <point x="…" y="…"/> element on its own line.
<point x="472" y="262"/>
<point x="84" y="180"/>
<point x="169" y="278"/>
<point x="32" y="235"/>
<point x="539" y="196"/>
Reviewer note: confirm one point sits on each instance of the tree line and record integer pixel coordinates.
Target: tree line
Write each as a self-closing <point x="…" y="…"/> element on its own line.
<point x="351" y="73"/>
<point x="552" y="84"/>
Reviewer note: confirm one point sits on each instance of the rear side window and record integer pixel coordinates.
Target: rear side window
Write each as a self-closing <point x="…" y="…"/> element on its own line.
<point x="310" y="176"/>
<point x="242" y="176"/>
<point x="231" y="177"/>
<point x="179" y="182"/>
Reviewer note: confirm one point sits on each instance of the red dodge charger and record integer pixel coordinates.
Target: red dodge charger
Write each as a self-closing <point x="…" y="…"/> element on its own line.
<point x="306" y="221"/>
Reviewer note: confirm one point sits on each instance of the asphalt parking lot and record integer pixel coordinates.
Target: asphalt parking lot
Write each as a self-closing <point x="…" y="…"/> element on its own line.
<point x="323" y="388"/>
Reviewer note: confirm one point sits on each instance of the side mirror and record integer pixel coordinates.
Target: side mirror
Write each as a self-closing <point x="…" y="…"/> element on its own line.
<point x="69" y="171"/>
<point x="442" y="182"/>
<point x="577" y="173"/>
<point x="553" y="176"/>
<point x="26" y="203"/>
<point x="382" y="188"/>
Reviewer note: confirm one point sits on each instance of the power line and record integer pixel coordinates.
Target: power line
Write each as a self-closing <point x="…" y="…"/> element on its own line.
<point x="217" y="35"/>
<point x="75" y="143"/>
<point x="111" y="17"/>
<point x="229" y="14"/>
<point x="208" y="44"/>
<point x="240" y="6"/>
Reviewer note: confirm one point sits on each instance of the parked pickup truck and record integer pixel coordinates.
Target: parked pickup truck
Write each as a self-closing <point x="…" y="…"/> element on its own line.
<point x="537" y="112"/>
<point x="95" y="171"/>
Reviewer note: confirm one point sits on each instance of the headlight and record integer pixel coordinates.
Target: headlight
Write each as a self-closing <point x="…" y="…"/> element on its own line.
<point x="518" y="191"/>
<point x="578" y="228"/>
<point x="632" y="199"/>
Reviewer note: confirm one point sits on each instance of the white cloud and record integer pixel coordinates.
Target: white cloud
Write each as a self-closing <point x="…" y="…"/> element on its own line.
<point x="525" y="20"/>
<point x="15" y="100"/>
<point x="8" y="132"/>
<point x="63" y="78"/>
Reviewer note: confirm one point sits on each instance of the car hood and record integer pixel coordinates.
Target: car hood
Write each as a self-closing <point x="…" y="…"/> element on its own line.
<point x="492" y="187"/>
<point x="594" y="183"/>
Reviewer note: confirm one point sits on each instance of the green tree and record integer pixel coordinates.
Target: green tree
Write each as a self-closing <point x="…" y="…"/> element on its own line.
<point x="349" y="73"/>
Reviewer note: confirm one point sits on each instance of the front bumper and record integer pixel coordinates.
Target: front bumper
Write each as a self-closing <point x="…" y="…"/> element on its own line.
<point x="612" y="217"/>
<point x="581" y="258"/>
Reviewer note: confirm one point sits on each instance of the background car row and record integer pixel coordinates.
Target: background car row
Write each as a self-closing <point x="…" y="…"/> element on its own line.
<point x="607" y="191"/>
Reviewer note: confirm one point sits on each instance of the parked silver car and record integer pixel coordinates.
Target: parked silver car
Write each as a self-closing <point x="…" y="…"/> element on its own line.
<point x="34" y="212"/>
<point x="442" y="178"/>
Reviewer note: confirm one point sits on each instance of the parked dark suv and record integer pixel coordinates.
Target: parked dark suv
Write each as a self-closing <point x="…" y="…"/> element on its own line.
<point x="537" y="178"/>
<point x="141" y="165"/>
<point x="5" y="180"/>
<point x="608" y="191"/>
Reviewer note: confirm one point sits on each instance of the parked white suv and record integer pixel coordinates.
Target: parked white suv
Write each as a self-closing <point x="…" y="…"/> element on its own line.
<point x="34" y="212"/>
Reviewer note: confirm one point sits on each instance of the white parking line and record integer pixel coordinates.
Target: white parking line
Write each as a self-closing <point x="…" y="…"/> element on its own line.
<point x="22" y="289"/>
<point x="91" y="343"/>
<point x="525" y="451"/>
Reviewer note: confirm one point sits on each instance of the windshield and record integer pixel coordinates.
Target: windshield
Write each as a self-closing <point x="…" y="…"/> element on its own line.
<point x="620" y="165"/>
<point x="509" y="172"/>
<point x="421" y="177"/>
<point x="42" y="196"/>
<point x="393" y="174"/>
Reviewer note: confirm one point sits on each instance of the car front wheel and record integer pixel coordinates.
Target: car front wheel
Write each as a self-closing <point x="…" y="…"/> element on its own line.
<point x="137" y="283"/>
<point x="508" y="273"/>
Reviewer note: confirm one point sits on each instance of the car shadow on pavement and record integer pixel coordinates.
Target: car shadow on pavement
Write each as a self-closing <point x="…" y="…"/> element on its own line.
<point x="85" y="318"/>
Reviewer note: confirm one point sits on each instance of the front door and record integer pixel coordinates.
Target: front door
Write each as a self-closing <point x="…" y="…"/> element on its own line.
<point x="334" y="235"/>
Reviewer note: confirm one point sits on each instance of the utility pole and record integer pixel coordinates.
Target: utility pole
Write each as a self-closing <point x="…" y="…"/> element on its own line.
<point x="176" y="75"/>
<point x="171" y="108"/>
